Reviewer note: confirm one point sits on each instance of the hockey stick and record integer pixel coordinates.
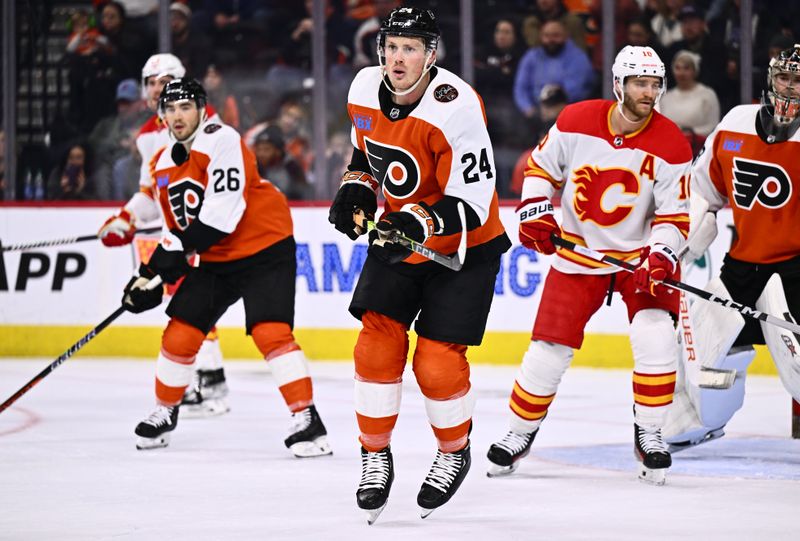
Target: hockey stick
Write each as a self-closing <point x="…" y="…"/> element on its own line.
<point x="680" y="286"/>
<point x="152" y="284"/>
<point x="68" y="240"/>
<point x="452" y="262"/>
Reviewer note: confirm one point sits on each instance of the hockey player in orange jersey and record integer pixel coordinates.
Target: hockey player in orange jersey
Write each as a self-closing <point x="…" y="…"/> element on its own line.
<point x="419" y="133"/>
<point x="214" y="204"/>
<point x="206" y="396"/>
<point x="623" y="171"/>
<point x="750" y="163"/>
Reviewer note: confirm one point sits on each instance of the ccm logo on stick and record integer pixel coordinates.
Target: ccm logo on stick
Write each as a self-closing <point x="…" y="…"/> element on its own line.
<point x="37" y="265"/>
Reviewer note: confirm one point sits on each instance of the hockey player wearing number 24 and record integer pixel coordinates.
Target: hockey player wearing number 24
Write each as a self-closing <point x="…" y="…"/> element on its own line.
<point x="206" y="396"/>
<point x="749" y="162"/>
<point x="215" y="204"/>
<point x="623" y="170"/>
<point x="420" y="133"/>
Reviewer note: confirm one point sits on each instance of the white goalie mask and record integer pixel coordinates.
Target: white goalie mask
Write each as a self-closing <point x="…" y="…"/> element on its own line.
<point x="161" y="65"/>
<point x="635" y="61"/>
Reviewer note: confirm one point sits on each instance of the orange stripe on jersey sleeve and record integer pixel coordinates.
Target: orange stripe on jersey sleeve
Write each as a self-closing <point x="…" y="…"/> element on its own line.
<point x="533" y="169"/>
<point x="681" y="221"/>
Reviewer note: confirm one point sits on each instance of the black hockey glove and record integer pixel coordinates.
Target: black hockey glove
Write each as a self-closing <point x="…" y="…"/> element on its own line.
<point x="137" y="299"/>
<point x="171" y="265"/>
<point x="416" y="222"/>
<point x="357" y="192"/>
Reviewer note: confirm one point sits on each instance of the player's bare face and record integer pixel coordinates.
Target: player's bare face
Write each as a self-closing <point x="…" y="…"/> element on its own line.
<point x="182" y="118"/>
<point x="405" y="61"/>
<point x="154" y="86"/>
<point x="787" y="84"/>
<point x="640" y="96"/>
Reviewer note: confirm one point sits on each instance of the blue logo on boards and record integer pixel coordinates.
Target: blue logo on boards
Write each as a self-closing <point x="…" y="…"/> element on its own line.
<point x="162" y="181"/>
<point x="362" y="122"/>
<point x="732" y="145"/>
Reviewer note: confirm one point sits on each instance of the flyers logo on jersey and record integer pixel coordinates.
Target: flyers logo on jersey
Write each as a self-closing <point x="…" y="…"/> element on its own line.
<point x="185" y="200"/>
<point x="393" y="167"/>
<point x="592" y="186"/>
<point x="767" y="183"/>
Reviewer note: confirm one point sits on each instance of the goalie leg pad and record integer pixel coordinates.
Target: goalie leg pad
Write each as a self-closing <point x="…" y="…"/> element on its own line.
<point x="782" y="344"/>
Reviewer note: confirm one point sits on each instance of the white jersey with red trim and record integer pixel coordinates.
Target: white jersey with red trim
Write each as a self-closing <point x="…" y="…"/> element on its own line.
<point x="439" y="148"/>
<point x="760" y="181"/>
<point x="620" y="193"/>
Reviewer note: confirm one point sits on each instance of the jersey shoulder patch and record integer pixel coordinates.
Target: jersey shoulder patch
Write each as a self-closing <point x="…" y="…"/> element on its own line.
<point x="445" y="93"/>
<point x="211" y="128"/>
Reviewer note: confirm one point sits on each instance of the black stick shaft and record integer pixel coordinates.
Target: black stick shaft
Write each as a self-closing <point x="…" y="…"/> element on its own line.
<point x="68" y="240"/>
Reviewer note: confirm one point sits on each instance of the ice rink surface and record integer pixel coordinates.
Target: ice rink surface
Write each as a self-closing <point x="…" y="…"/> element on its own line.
<point x="69" y="469"/>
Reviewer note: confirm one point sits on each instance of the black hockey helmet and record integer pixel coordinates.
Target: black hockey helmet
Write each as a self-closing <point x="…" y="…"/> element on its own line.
<point x="780" y="111"/>
<point x="410" y="22"/>
<point x="182" y="89"/>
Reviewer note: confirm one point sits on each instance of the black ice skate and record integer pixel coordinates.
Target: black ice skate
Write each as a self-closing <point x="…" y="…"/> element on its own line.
<point x="205" y="397"/>
<point x="444" y="478"/>
<point x="155" y="430"/>
<point x="652" y="453"/>
<point x="308" y="435"/>
<point x="504" y="455"/>
<point x="377" y="474"/>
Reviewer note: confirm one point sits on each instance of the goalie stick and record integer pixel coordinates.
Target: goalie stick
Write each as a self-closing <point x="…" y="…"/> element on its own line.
<point x="452" y="262"/>
<point x="68" y="240"/>
<point x="152" y="284"/>
<point x="680" y="286"/>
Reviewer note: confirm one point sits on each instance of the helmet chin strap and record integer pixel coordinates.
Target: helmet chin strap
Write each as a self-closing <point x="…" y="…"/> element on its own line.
<point x="412" y="87"/>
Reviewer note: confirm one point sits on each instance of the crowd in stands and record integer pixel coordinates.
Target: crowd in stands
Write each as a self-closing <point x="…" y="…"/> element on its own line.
<point x="532" y="58"/>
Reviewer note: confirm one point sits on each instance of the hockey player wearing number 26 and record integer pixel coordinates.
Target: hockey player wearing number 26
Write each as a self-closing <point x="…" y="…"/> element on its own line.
<point x="750" y="161"/>
<point x="420" y="133"/>
<point x="215" y="204"/>
<point x="623" y="170"/>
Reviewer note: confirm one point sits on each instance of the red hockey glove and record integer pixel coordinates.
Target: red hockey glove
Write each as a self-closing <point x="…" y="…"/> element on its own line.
<point x="117" y="230"/>
<point x="536" y="224"/>
<point x="656" y="263"/>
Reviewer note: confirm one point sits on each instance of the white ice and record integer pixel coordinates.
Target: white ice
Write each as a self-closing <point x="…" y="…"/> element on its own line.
<point x="69" y="468"/>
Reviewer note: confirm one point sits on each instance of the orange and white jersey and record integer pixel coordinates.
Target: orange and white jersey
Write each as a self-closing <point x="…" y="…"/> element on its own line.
<point x="759" y="180"/>
<point x="219" y="184"/>
<point x="438" y="148"/>
<point x="620" y="193"/>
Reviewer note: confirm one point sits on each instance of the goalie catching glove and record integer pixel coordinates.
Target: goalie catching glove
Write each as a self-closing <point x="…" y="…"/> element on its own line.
<point x="118" y="230"/>
<point x="417" y="222"/>
<point x="658" y="262"/>
<point x="356" y="193"/>
<point x="536" y="224"/>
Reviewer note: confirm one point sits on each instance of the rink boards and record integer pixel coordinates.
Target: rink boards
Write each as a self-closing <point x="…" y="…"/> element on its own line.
<point x="51" y="297"/>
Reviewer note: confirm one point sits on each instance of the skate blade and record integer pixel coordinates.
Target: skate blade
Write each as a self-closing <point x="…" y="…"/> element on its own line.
<point x="373" y="514"/>
<point x="651" y="476"/>
<point x="424" y="512"/>
<point x="309" y="449"/>
<point x="144" y="444"/>
<point x="205" y="409"/>
<point x="496" y="470"/>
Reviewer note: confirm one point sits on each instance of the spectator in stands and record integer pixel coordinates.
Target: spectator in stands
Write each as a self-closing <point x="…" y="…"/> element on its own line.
<point x="666" y="23"/>
<point x="552" y="10"/>
<point x="130" y="48"/>
<point x="220" y="96"/>
<point x="640" y="33"/>
<point x="765" y="22"/>
<point x="292" y="120"/>
<point x="557" y="61"/>
<point x="495" y="68"/>
<point x="697" y="40"/>
<point x="625" y="11"/>
<point x="110" y="138"/>
<point x="691" y="105"/>
<point x="84" y="39"/>
<point x="364" y="50"/>
<point x="275" y="165"/>
<point x="72" y="179"/>
<point x="192" y="48"/>
<point x="126" y="170"/>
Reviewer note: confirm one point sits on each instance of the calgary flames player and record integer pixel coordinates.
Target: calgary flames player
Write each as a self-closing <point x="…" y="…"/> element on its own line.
<point x="749" y="162"/>
<point x="623" y="170"/>
<point x="420" y="133"/>
<point x="215" y="204"/>
<point x="206" y="395"/>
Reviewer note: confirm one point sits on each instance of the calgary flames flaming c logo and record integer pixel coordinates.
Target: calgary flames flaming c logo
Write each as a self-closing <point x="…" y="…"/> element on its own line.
<point x="592" y="186"/>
